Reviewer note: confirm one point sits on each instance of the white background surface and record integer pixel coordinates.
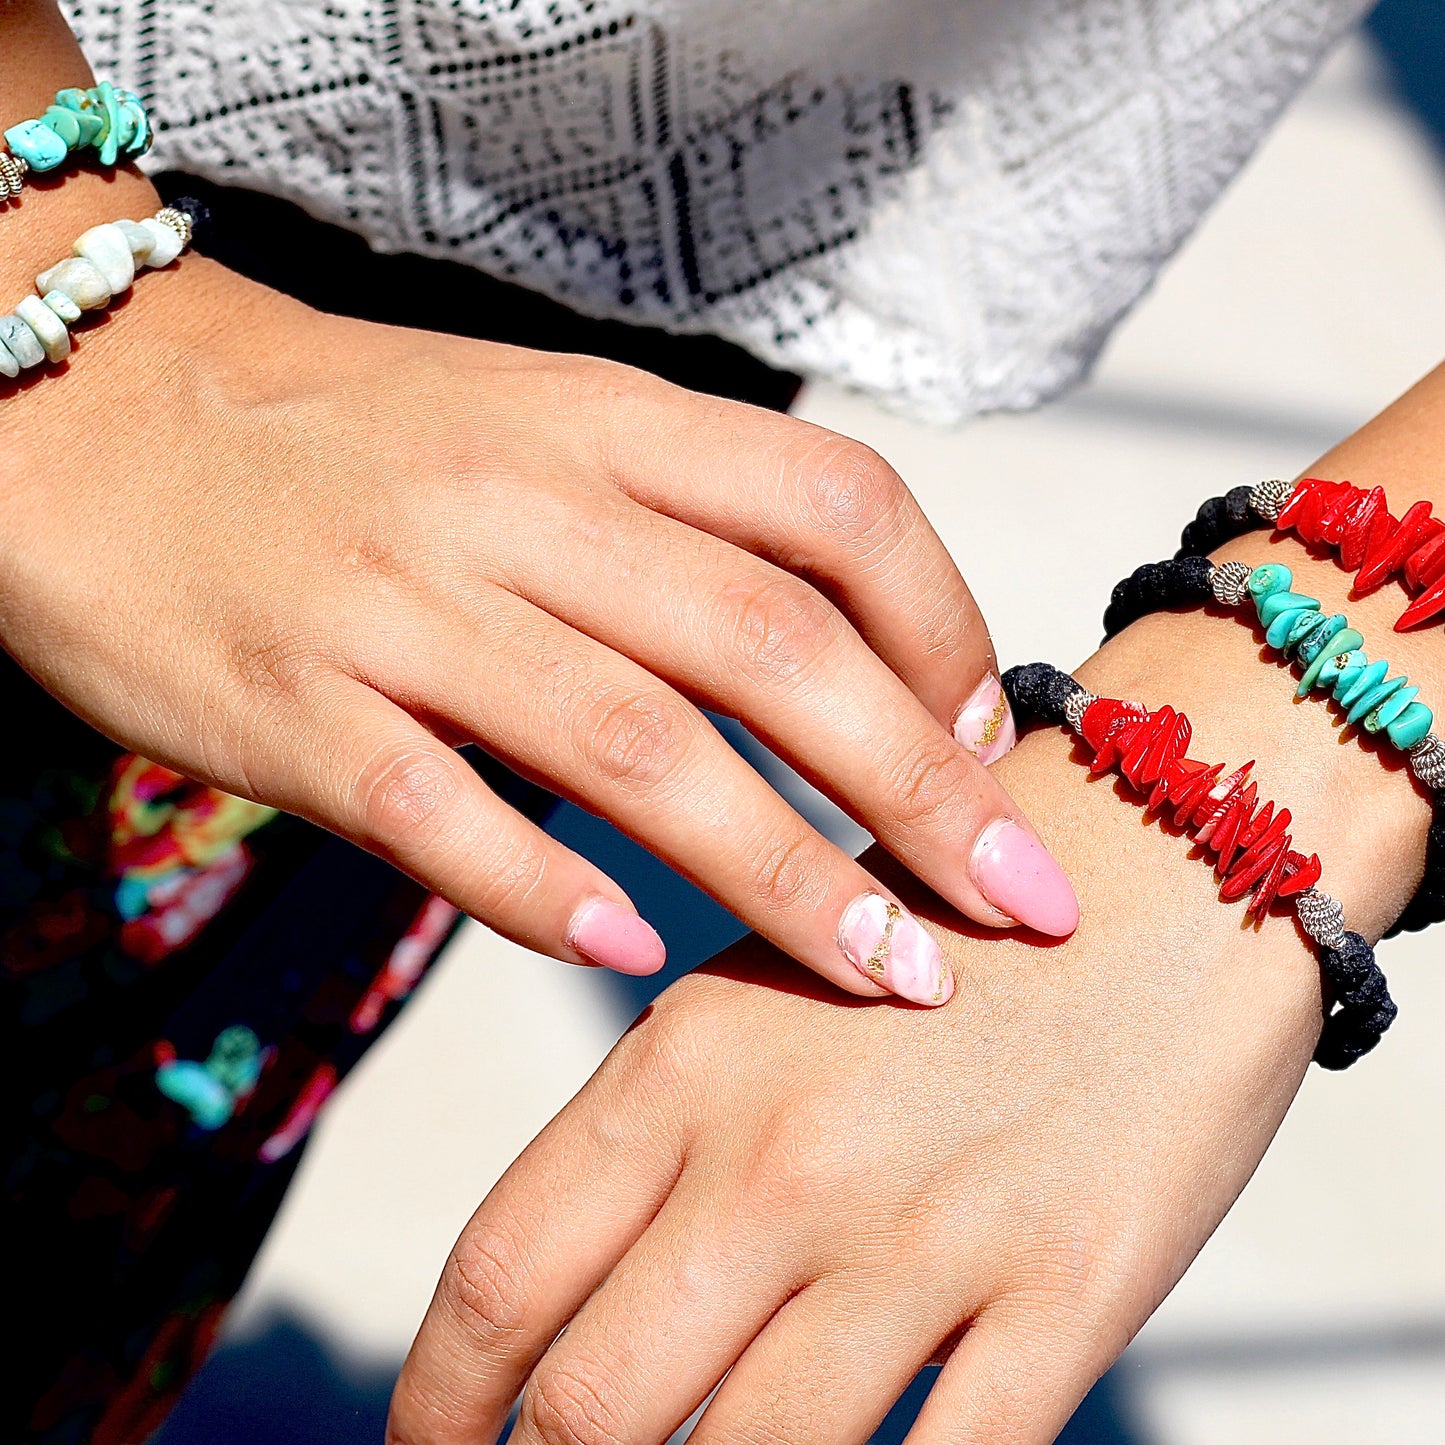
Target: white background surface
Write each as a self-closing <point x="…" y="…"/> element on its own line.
<point x="1317" y="1314"/>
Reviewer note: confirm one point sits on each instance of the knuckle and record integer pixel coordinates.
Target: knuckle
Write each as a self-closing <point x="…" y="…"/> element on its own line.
<point x="278" y="666"/>
<point x="571" y="1405"/>
<point x="926" y="783"/>
<point x="792" y="874"/>
<point x="404" y="798"/>
<point x="633" y="738"/>
<point x="852" y="492"/>
<point x="484" y="1282"/>
<point x="779" y="627"/>
<point x="510" y="876"/>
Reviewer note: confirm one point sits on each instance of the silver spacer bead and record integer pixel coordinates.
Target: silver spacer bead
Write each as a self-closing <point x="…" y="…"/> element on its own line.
<point x="1076" y="706"/>
<point x="12" y="174"/>
<point x="1230" y="583"/>
<point x="178" y="221"/>
<point x="1427" y="762"/>
<point x="1268" y="497"/>
<point x="1322" y="917"/>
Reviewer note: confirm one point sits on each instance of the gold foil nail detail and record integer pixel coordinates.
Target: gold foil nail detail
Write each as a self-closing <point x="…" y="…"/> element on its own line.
<point x="878" y="959"/>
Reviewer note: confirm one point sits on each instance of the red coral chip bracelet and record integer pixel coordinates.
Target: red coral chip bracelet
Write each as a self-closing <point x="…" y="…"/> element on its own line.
<point x="1329" y="651"/>
<point x="1353" y="522"/>
<point x="1248" y="837"/>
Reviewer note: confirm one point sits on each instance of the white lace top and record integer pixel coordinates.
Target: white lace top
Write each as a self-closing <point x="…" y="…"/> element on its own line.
<point x="947" y="203"/>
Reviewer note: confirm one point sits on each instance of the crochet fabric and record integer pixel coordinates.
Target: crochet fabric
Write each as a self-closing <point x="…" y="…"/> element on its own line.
<point x="947" y="203"/>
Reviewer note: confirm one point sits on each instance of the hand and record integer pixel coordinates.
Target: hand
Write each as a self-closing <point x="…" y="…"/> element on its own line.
<point x="814" y="1199"/>
<point x="300" y="557"/>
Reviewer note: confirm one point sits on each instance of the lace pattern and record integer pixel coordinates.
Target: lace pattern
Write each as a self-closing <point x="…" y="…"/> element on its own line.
<point x="947" y="205"/>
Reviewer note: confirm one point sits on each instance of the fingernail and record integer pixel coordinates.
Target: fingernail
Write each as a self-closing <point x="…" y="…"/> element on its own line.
<point x="986" y="724"/>
<point x="615" y="937"/>
<point x="888" y="945"/>
<point x="1018" y="875"/>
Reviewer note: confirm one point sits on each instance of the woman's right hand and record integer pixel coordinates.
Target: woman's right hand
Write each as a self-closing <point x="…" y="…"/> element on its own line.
<point x="300" y="557"/>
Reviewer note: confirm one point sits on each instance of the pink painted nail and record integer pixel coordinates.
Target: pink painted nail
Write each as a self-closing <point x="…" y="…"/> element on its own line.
<point x="986" y="724"/>
<point x="888" y="945"/>
<point x="1018" y="875"/>
<point x="606" y="933"/>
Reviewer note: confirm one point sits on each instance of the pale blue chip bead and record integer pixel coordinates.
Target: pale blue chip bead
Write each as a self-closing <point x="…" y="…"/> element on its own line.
<point x="49" y="329"/>
<point x="1270" y="607"/>
<point x="1410" y="727"/>
<point x="62" y="306"/>
<point x="1372" y="697"/>
<point x="24" y="345"/>
<point x="36" y="144"/>
<point x="8" y="365"/>
<point x="107" y="249"/>
<point x="168" y="242"/>
<point x="1326" y="668"/>
<point x="1381" y="717"/>
<point x="140" y="240"/>
<point x="1354" y="685"/>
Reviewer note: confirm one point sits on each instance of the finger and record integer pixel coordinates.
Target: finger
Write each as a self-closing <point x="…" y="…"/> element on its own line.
<point x="759" y="644"/>
<point x="377" y="776"/>
<point x="607" y="734"/>
<point x="828" y="1368"/>
<point x="654" y="1340"/>
<point x="542" y="1241"/>
<point x="819" y="504"/>
<point x="1016" y="1378"/>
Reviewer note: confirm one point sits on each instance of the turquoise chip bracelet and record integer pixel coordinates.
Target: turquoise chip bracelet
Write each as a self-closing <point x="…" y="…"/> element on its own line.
<point x="1331" y="654"/>
<point x="108" y="121"/>
<point x="103" y="265"/>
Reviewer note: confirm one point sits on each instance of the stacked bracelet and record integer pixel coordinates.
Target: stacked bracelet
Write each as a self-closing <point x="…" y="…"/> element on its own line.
<point x="1366" y="537"/>
<point x="1249" y="840"/>
<point x="112" y="123"/>
<point x="103" y="265"/>
<point x="1353" y="522"/>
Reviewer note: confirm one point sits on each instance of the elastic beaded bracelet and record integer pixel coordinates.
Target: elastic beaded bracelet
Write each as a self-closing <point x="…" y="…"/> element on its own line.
<point x="1333" y="658"/>
<point x="113" y="123"/>
<point x="103" y="265"/>
<point x="1249" y="839"/>
<point x="1355" y="523"/>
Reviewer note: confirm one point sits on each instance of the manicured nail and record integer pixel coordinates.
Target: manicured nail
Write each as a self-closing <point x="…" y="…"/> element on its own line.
<point x="1018" y="875"/>
<point x="986" y="724"/>
<point x="888" y="945"/>
<point x="615" y="937"/>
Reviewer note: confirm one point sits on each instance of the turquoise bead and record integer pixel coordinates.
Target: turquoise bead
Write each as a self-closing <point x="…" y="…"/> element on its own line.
<point x="73" y="98"/>
<point x="1354" y="685"/>
<point x="36" y="144"/>
<point x="1272" y="577"/>
<point x="1323" y="671"/>
<point x="111" y="141"/>
<point x="1410" y="726"/>
<point x="8" y="364"/>
<point x="1382" y="716"/>
<point x="1287" y="624"/>
<point x="65" y="124"/>
<point x="1318" y="638"/>
<point x="1270" y="607"/>
<point x="1372" y="697"/>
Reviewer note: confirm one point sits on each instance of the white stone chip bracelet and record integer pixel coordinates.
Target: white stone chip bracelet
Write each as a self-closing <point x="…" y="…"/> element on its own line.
<point x="104" y="264"/>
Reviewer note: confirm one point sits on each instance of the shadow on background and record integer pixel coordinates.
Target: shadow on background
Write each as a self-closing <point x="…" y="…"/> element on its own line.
<point x="283" y="1386"/>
